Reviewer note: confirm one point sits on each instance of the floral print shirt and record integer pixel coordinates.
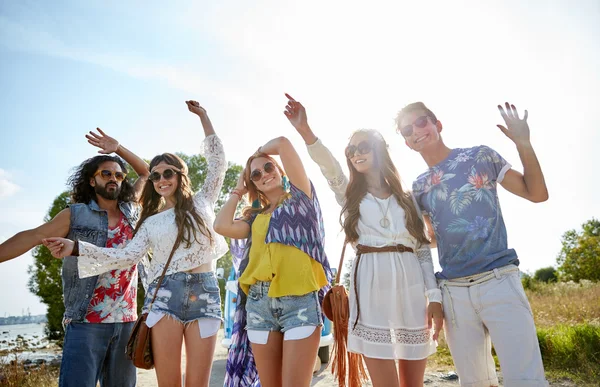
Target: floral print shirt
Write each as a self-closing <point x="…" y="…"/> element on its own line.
<point x="460" y="196"/>
<point x="114" y="299"/>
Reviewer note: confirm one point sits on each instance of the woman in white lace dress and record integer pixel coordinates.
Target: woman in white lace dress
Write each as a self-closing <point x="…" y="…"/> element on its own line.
<point x="175" y="226"/>
<point x="393" y="295"/>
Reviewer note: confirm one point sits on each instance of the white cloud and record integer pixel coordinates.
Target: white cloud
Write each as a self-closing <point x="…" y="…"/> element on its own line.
<point x="7" y="187"/>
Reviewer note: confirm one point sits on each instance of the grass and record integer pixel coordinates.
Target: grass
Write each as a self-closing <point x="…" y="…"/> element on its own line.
<point x="567" y="317"/>
<point x="13" y="374"/>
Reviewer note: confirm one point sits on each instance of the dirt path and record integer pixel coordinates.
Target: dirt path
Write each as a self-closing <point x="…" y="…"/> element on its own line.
<point x="324" y="378"/>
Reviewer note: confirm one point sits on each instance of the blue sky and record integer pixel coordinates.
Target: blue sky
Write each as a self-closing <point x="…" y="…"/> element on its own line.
<point x="68" y="67"/>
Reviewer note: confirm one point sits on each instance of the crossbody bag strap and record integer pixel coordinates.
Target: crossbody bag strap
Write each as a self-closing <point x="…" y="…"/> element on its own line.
<point x="341" y="265"/>
<point x="162" y="276"/>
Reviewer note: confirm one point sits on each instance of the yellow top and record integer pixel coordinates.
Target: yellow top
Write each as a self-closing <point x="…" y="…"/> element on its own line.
<point x="291" y="271"/>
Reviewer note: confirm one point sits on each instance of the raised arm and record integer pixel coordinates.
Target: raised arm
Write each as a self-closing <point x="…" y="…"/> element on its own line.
<point x="225" y="224"/>
<point x="94" y="260"/>
<point x="530" y="184"/>
<point x="110" y="145"/>
<point x="22" y="242"/>
<point x="330" y="167"/>
<point x="215" y="156"/>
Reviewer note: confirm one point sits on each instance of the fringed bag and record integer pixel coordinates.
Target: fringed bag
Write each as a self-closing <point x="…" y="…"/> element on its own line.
<point x="337" y="309"/>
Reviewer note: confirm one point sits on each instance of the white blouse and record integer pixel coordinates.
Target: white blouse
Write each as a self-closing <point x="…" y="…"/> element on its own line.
<point x="396" y="234"/>
<point x="158" y="233"/>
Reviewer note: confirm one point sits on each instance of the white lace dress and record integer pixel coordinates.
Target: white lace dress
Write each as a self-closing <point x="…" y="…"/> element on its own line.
<point x="393" y="288"/>
<point x="158" y="233"/>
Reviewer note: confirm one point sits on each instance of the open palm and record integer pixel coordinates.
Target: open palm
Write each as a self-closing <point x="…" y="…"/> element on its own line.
<point x="103" y="141"/>
<point x="516" y="128"/>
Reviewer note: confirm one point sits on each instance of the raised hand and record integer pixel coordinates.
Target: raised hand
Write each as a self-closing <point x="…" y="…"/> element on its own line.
<point x="195" y="108"/>
<point x="106" y="143"/>
<point x="296" y="114"/>
<point x="241" y="185"/>
<point x="59" y="247"/>
<point x="516" y="128"/>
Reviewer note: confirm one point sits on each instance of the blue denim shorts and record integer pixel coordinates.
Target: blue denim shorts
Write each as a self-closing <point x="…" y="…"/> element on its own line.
<point x="186" y="296"/>
<point x="280" y="314"/>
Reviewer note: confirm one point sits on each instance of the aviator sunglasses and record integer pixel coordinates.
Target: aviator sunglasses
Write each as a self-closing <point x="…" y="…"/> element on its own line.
<point x="106" y="175"/>
<point x="420" y="123"/>
<point x="167" y="174"/>
<point x="363" y="148"/>
<point x="257" y="174"/>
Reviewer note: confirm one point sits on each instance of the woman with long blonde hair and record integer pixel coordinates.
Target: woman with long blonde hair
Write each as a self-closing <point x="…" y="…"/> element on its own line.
<point x="393" y="293"/>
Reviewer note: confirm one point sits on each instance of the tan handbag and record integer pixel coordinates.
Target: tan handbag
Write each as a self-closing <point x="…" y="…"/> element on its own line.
<point x="337" y="309"/>
<point x="139" y="345"/>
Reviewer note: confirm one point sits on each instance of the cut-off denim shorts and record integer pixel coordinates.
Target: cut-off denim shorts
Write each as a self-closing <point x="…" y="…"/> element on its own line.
<point x="280" y="314"/>
<point x="186" y="297"/>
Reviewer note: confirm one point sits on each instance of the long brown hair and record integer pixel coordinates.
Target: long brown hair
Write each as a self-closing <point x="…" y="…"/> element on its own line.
<point x="185" y="211"/>
<point x="357" y="189"/>
<point x="253" y="192"/>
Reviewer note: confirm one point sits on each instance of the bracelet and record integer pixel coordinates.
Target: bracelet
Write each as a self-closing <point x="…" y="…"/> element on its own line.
<point x="236" y="192"/>
<point x="75" y="252"/>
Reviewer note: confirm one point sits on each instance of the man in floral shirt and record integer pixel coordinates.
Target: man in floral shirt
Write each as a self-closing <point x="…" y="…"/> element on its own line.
<point x="484" y="301"/>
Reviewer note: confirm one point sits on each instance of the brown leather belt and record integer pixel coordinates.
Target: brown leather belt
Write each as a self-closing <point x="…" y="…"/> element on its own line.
<point x="362" y="249"/>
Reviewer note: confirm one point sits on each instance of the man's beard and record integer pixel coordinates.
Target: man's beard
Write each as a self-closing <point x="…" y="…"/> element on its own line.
<point x="108" y="195"/>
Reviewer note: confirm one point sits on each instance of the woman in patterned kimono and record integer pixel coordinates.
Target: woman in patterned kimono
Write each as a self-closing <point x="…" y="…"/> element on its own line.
<point x="283" y="274"/>
<point x="393" y="295"/>
<point x="176" y="226"/>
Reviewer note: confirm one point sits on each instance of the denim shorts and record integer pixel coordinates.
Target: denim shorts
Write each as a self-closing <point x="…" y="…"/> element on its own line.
<point x="186" y="296"/>
<point x="280" y="314"/>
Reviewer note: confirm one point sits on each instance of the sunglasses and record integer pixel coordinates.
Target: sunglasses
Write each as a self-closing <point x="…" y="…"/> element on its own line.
<point x="107" y="175"/>
<point x="257" y="174"/>
<point x="420" y="122"/>
<point x="363" y="148"/>
<point x="167" y="174"/>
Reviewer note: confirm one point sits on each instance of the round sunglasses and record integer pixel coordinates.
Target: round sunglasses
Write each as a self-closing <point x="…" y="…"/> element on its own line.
<point x="420" y="123"/>
<point x="167" y="174"/>
<point x="363" y="148"/>
<point x="107" y="175"/>
<point x="257" y="174"/>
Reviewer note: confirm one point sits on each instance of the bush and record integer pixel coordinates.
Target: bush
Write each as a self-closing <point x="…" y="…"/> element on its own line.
<point x="546" y="274"/>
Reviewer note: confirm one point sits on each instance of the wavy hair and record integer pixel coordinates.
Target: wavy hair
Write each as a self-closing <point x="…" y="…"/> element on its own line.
<point x="83" y="192"/>
<point x="357" y="189"/>
<point x="187" y="218"/>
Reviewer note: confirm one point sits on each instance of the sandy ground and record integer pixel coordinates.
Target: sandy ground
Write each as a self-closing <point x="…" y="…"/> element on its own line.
<point x="323" y="378"/>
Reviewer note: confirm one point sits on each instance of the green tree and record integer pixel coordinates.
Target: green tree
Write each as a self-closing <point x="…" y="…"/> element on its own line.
<point x="546" y="274"/>
<point x="45" y="280"/>
<point x="45" y="274"/>
<point x="580" y="254"/>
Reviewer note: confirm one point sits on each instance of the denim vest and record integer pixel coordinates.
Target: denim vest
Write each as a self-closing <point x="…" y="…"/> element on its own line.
<point x="89" y="223"/>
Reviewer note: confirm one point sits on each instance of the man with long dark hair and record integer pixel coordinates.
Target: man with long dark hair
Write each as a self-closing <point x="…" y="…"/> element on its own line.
<point x="100" y="311"/>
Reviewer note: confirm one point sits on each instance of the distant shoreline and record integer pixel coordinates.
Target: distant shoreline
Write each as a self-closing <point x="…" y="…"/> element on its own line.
<point x="17" y="320"/>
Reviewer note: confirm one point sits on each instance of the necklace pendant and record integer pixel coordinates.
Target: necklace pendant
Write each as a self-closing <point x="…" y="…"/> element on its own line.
<point x="384" y="222"/>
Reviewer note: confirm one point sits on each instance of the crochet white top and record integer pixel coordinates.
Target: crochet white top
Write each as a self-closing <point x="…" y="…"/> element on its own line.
<point x="158" y="233"/>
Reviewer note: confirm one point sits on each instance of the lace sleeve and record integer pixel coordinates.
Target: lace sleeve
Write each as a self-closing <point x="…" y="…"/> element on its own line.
<point x="94" y="260"/>
<point x="330" y="168"/>
<point x="215" y="170"/>
<point x="424" y="256"/>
